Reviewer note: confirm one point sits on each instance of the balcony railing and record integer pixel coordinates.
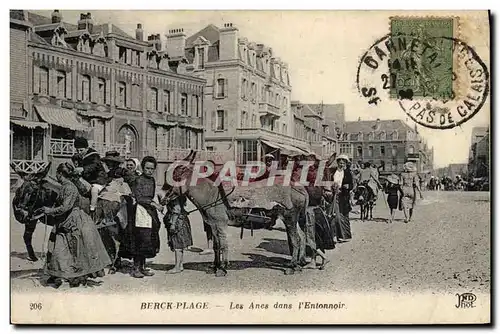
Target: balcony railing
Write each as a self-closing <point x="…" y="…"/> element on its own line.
<point x="267" y="108"/>
<point x="65" y="147"/>
<point x="28" y="166"/>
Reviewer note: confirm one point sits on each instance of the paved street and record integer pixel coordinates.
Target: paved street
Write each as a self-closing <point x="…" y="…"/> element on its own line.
<point x="445" y="249"/>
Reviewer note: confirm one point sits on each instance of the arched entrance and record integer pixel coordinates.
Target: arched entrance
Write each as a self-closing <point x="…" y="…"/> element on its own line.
<point x="128" y="135"/>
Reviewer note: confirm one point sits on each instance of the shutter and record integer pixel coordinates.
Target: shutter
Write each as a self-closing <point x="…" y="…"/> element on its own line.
<point x="53" y="82"/>
<point x="148" y="99"/>
<point x="69" y="86"/>
<point x="214" y="120"/>
<point x="128" y="95"/>
<point x="93" y="89"/>
<point x="159" y="98"/>
<point x="226" y="120"/>
<point x="226" y="88"/>
<point x="79" y="91"/>
<point x="36" y="79"/>
<point x="107" y="92"/>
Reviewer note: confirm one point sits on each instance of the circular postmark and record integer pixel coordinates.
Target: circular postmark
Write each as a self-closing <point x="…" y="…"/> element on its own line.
<point x="439" y="82"/>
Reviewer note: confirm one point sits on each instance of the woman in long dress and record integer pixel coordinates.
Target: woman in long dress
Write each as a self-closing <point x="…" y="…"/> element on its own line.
<point x="141" y="240"/>
<point x="75" y="249"/>
<point x="343" y="184"/>
<point x="410" y="186"/>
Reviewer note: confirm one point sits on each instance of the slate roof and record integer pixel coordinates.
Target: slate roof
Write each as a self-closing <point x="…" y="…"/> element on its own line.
<point x="210" y="32"/>
<point x="388" y="126"/>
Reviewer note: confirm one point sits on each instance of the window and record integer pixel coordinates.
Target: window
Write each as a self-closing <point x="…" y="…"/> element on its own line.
<point x="210" y="148"/>
<point x="85" y="88"/>
<point x="220" y="120"/>
<point x="61" y="84"/>
<point x="284" y="128"/>
<point x="382" y="150"/>
<point x="395" y="135"/>
<point x="201" y="58"/>
<point x="197" y="105"/>
<point x="184" y="104"/>
<point x="411" y="149"/>
<point x="382" y="165"/>
<point x="122" y="54"/>
<point x="221" y="87"/>
<point x="277" y="100"/>
<point x="153" y="99"/>
<point x="382" y="135"/>
<point x="370" y="136"/>
<point x="243" y="88"/>
<point x="360" y="136"/>
<point x="243" y="121"/>
<point x="253" y="92"/>
<point x="166" y="101"/>
<point x="370" y="151"/>
<point x="44" y="81"/>
<point x="345" y="149"/>
<point x="394" y="165"/>
<point x="138" y="58"/>
<point x="254" y="121"/>
<point x="247" y="151"/>
<point x="101" y="91"/>
<point x="122" y="94"/>
<point x="136" y="93"/>
<point x="394" y="151"/>
<point x="360" y="151"/>
<point x="263" y="94"/>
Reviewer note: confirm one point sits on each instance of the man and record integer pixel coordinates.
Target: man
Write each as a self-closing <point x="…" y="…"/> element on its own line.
<point x="369" y="176"/>
<point x="112" y="160"/>
<point x="91" y="169"/>
<point x="268" y="160"/>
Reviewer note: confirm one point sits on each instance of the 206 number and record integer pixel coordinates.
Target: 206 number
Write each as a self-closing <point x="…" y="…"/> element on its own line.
<point x="35" y="306"/>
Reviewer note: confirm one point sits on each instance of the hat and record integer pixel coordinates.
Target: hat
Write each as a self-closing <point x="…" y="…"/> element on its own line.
<point x="81" y="142"/>
<point x="113" y="156"/>
<point x="409" y="167"/>
<point x="343" y="157"/>
<point x="269" y="155"/>
<point x="393" y="179"/>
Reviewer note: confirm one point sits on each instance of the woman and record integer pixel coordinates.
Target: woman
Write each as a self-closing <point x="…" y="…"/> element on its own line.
<point x="75" y="248"/>
<point x="132" y="168"/>
<point x="179" y="230"/>
<point x="342" y="186"/>
<point x="393" y="190"/>
<point x="141" y="237"/>
<point x="409" y="185"/>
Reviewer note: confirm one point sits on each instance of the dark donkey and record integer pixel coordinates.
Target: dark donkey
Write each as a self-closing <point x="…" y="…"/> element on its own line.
<point x="213" y="202"/>
<point x="366" y="200"/>
<point x="40" y="190"/>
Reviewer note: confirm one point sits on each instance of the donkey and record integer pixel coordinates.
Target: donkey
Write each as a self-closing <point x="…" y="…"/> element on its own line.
<point x="213" y="202"/>
<point x="366" y="200"/>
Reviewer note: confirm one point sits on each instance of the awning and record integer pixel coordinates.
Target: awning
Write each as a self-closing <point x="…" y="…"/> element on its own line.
<point x="95" y="114"/>
<point x="285" y="149"/>
<point x="64" y="118"/>
<point x="160" y="122"/>
<point x="29" y="124"/>
<point x="191" y="126"/>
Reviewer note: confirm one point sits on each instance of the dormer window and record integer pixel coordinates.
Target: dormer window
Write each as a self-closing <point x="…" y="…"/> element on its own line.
<point x="382" y="135"/>
<point x="201" y="58"/>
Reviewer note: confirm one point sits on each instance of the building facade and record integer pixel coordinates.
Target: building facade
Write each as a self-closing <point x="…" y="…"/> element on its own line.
<point x="479" y="156"/>
<point x="386" y="143"/>
<point x="121" y="92"/>
<point x="247" y="96"/>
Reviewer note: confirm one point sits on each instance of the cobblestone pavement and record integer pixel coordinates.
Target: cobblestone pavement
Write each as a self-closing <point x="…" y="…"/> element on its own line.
<point x="446" y="249"/>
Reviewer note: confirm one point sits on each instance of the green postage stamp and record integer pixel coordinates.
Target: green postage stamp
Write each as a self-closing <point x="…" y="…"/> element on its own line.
<point x="423" y="67"/>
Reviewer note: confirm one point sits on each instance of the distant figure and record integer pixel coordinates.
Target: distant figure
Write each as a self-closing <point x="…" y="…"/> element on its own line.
<point x="393" y="191"/>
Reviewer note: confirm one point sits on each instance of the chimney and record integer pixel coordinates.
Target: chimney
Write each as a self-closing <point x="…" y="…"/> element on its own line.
<point x="155" y="41"/>
<point x="228" y="42"/>
<point x="86" y="22"/>
<point x="56" y="16"/>
<point x="176" y="43"/>
<point x="139" y="33"/>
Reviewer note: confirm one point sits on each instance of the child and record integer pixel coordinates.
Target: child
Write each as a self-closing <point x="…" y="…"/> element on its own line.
<point x="392" y="190"/>
<point x="178" y="229"/>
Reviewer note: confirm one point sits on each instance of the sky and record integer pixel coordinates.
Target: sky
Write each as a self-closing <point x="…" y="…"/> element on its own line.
<point x="322" y="49"/>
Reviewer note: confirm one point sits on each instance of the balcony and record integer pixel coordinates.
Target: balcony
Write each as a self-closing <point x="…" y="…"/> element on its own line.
<point x="258" y="133"/>
<point x="268" y="109"/>
<point x="65" y="147"/>
<point x="28" y="166"/>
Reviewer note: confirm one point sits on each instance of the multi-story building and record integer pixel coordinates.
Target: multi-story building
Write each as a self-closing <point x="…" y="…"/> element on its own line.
<point x="121" y="92"/>
<point x="247" y="96"/>
<point x="479" y="156"/>
<point x="318" y="124"/>
<point x="386" y="143"/>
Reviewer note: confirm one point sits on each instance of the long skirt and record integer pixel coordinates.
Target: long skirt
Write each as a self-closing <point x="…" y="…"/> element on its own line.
<point x="181" y="237"/>
<point x="408" y="198"/>
<point x="75" y="247"/>
<point x="140" y="241"/>
<point x="340" y="217"/>
<point x="323" y="231"/>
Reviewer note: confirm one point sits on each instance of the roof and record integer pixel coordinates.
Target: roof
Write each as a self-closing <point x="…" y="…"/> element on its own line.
<point x="332" y="112"/>
<point x="210" y="33"/>
<point x="385" y="125"/>
<point x="309" y="112"/>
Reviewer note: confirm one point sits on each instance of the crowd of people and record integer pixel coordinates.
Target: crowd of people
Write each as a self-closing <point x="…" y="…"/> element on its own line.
<point x="77" y="252"/>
